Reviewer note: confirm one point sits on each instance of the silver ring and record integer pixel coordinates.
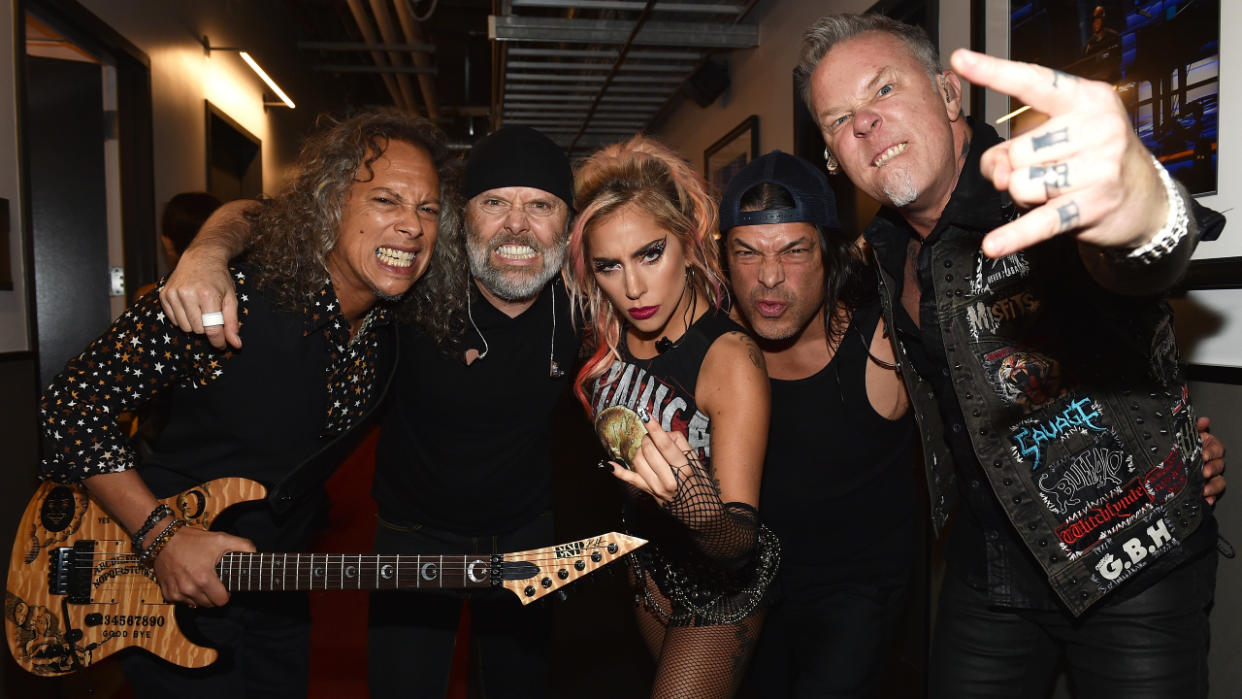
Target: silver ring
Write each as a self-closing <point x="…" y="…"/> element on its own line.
<point x="1052" y="182"/>
<point x="213" y="319"/>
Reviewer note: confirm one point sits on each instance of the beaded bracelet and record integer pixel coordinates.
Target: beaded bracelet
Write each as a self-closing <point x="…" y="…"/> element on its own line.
<point x="160" y="512"/>
<point x="149" y="555"/>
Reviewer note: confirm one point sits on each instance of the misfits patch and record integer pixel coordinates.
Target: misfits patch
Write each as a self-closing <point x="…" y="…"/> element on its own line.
<point x="988" y="319"/>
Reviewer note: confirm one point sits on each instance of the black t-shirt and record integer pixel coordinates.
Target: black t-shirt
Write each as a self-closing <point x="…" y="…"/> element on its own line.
<point x="838" y="478"/>
<point x="468" y="448"/>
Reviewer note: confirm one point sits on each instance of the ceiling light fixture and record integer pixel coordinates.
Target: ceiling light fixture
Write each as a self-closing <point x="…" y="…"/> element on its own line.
<point x="284" y="99"/>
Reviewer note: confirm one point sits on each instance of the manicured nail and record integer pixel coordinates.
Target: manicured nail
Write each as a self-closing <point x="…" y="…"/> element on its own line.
<point x="644" y="415"/>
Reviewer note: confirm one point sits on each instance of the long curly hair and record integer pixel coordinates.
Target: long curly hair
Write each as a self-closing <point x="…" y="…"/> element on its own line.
<point x="297" y="230"/>
<point x="647" y="174"/>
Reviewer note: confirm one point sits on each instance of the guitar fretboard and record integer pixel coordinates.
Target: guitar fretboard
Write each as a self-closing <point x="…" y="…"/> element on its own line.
<point x="350" y="571"/>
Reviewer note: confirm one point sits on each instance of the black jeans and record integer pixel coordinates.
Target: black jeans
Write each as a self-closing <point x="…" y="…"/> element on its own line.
<point x="1154" y="644"/>
<point x="412" y="634"/>
<point x="264" y="644"/>
<point x="825" y="640"/>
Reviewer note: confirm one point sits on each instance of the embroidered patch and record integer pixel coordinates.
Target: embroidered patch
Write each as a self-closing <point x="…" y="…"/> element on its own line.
<point x="986" y="319"/>
<point x="990" y="273"/>
<point x="1119" y="560"/>
<point x="1024" y="377"/>
<point x="1087" y="475"/>
<point x="1031" y="437"/>
<point x="1080" y="534"/>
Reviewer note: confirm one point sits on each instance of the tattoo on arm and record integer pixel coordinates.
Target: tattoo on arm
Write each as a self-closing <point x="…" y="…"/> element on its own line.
<point x="1050" y="139"/>
<point x="1069" y="216"/>
<point x="752" y="350"/>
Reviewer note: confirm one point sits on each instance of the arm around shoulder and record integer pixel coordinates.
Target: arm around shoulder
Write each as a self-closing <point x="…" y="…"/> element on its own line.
<point x="200" y="283"/>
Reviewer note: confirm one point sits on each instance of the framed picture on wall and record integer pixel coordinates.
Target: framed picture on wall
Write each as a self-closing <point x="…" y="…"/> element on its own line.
<point x="728" y="155"/>
<point x="1162" y="58"/>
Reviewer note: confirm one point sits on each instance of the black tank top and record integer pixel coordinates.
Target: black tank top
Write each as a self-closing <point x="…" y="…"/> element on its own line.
<point x="838" y="478"/>
<point x="664" y="384"/>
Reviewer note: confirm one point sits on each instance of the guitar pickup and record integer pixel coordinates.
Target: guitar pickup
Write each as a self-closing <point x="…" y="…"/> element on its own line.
<point x="70" y="571"/>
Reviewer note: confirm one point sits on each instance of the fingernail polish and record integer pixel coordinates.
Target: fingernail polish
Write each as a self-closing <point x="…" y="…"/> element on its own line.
<point x="603" y="465"/>
<point x="644" y="415"/>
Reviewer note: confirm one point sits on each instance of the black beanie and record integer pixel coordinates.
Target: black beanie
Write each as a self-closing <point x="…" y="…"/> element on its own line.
<point x="519" y="156"/>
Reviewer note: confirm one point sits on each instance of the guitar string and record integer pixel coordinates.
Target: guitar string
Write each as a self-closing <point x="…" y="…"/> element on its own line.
<point x="371" y="565"/>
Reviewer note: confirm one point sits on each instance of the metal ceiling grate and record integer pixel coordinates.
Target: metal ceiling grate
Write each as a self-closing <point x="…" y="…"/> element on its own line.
<point x="591" y="72"/>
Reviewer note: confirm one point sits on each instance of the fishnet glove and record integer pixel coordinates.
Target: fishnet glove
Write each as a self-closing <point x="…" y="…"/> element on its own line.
<point x="725" y="532"/>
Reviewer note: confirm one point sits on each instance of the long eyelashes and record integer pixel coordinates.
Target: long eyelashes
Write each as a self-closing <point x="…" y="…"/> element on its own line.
<point x="655" y="251"/>
<point x="647" y="255"/>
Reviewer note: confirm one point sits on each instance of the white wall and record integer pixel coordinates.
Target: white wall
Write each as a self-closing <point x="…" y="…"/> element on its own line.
<point x="183" y="76"/>
<point x="761" y="82"/>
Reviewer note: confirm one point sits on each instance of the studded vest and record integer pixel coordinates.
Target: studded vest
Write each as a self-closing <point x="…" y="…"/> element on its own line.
<point x="1072" y="397"/>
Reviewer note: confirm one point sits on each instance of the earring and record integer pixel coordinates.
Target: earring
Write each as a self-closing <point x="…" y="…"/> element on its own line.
<point x="830" y="163"/>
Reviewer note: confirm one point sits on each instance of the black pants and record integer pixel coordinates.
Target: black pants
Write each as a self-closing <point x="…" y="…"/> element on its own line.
<point x="412" y="634"/>
<point x="264" y="644"/>
<point x="824" y="640"/>
<point x="1154" y="644"/>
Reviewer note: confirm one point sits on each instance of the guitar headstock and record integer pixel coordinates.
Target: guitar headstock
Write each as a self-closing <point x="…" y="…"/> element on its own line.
<point x="535" y="573"/>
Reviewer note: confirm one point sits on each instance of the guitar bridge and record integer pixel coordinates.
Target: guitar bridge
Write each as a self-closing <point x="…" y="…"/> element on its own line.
<point x="69" y="571"/>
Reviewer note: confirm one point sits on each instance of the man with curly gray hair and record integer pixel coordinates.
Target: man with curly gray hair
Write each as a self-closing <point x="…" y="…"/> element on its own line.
<point x="335" y="256"/>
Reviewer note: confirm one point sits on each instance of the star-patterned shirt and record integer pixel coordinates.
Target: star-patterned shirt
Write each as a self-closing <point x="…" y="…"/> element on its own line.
<point x="227" y="404"/>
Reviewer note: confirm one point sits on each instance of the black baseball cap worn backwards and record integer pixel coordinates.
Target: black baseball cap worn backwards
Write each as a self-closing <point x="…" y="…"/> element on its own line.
<point x="814" y="201"/>
<point x="519" y="156"/>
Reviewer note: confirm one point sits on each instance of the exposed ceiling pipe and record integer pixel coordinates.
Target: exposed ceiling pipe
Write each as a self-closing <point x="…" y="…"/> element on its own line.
<point x="616" y="67"/>
<point x="379" y="8"/>
<point x="368" y="34"/>
<point x="414" y="35"/>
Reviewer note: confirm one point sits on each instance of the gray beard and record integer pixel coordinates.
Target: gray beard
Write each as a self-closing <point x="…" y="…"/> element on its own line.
<point x="513" y="285"/>
<point x="902" y="192"/>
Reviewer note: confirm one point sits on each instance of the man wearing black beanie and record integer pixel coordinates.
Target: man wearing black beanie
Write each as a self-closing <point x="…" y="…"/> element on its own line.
<point x="464" y="460"/>
<point x="463" y="463"/>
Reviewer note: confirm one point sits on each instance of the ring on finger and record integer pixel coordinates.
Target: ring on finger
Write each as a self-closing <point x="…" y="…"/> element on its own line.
<point x="213" y="319"/>
<point x="1056" y="178"/>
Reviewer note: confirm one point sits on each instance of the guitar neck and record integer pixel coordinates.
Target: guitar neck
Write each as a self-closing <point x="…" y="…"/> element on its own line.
<point x="349" y="571"/>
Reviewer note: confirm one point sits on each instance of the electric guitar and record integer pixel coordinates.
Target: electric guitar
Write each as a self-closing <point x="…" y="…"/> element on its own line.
<point x="77" y="593"/>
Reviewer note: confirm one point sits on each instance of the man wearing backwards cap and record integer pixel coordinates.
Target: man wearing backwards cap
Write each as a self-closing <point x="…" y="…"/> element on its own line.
<point x="840" y="592"/>
<point x="463" y="462"/>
